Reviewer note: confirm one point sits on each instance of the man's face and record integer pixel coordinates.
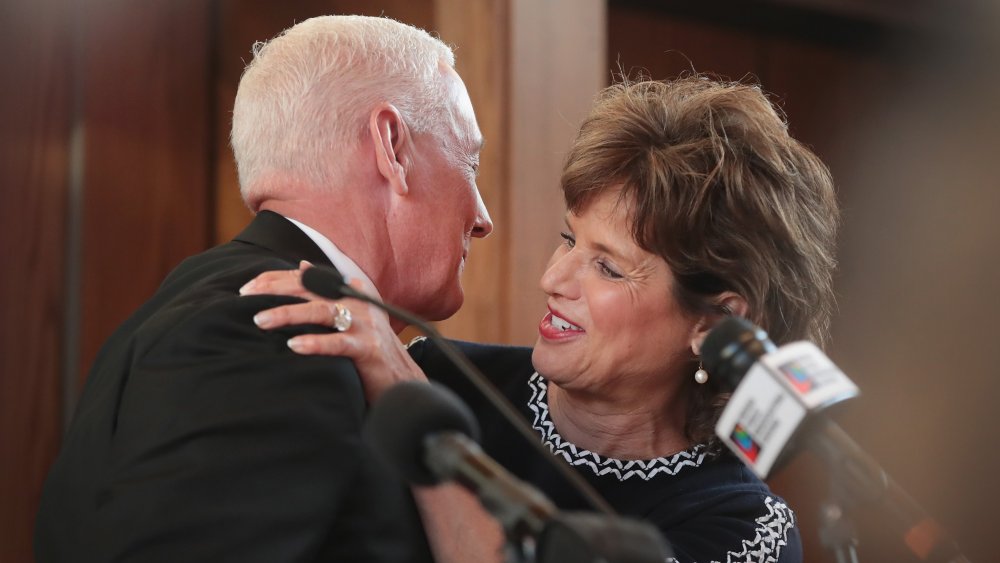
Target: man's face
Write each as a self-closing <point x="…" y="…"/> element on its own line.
<point x="444" y="209"/>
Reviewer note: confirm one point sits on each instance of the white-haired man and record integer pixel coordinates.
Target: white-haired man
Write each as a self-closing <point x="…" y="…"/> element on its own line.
<point x="202" y="438"/>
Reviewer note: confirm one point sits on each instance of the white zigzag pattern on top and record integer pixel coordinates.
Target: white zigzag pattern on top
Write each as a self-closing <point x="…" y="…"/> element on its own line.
<point x="622" y="469"/>
<point x="414" y="341"/>
<point x="771" y="535"/>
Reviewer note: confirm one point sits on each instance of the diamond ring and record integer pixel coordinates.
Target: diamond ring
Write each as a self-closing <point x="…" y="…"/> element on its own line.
<point x="341" y="318"/>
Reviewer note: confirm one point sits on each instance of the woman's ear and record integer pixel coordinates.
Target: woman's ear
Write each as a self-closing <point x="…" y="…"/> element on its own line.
<point x="727" y="304"/>
<point x="393" y="145"/>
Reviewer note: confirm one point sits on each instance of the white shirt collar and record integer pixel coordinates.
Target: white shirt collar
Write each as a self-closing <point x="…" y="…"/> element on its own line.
<point x="349" y="268"/>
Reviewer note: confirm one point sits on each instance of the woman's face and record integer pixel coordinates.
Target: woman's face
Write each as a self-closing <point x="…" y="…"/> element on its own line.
<point x="613" y="327"/>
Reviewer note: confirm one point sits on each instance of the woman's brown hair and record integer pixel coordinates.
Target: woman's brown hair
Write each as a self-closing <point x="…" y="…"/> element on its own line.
<point x="718" y="188"/>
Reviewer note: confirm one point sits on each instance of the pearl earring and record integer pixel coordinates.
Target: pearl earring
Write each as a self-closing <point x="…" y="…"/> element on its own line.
<point x="701" y="376"/>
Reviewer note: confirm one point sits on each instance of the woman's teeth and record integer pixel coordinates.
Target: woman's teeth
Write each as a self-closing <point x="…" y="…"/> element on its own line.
<point x="563" y="324"/>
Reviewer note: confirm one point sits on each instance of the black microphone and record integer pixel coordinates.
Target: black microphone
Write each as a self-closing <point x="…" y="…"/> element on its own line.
<point x="777" y="390"/>
<point x="766" y="379"/>
<point x="327" y="281"/>
<point x="427" y="433"/>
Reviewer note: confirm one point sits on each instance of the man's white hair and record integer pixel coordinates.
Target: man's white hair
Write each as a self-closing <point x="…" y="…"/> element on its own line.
<point x="307" y="94"/>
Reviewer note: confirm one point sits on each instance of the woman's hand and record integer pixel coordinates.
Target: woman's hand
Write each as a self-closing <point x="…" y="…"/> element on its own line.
<point x="379" y="356"/>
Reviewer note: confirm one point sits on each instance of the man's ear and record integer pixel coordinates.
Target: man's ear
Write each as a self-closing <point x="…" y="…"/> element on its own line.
<point x="726" y="303"/>
<point x="393" y="145"/>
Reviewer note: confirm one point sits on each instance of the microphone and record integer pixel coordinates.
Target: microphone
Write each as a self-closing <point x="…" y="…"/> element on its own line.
<point x="779" y="398"/>
<point x="777" y="390"/>
<point x="428" y="434"/>
<point x="327" y="281"/>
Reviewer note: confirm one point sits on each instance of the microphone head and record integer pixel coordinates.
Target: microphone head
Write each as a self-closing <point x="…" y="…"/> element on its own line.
<point x="732" y="347"/>
<point x="325" y="281"/>
<point x="405" y="415"/>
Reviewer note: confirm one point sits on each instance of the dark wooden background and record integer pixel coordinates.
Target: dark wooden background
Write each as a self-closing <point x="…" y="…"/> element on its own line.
<point x="114" y="165"/>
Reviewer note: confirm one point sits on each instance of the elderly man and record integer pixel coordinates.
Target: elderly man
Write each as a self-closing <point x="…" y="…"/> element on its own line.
<point x="200" y="437"/>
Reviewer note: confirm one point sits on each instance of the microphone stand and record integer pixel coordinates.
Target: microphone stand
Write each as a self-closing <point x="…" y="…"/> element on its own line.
<point x="857" y="481"/>
<point x="837" y="532"/>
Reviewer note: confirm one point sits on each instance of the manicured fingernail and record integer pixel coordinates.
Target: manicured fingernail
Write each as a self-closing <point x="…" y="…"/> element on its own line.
<point x="262" y="319"/>
<point x="247" y="287"/>
<point x="295" y="344"/>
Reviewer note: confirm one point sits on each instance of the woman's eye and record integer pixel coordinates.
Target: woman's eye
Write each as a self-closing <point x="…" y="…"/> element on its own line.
<point x="569" y="240"/>
<point x="608" y="271"/>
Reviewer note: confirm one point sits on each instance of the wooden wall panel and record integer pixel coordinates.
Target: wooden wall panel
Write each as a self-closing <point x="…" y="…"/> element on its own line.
<point x="35" y="120"/>
<point x="827" y="93"/>
<point x="145" y="70"/>
<point x="556" y="69"/>
<point x="479" y="31"/>
<point x="824" y="88"/>
<point x="920" y="267"/>
<point x="640" y="41"/>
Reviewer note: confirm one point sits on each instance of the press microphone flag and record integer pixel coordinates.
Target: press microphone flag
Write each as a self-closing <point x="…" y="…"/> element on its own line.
<point x="759" y="426"/>
<point x="774" y="396"/>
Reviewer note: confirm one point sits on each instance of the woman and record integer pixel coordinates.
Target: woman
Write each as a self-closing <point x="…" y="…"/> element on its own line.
<point x="687" y="201"/>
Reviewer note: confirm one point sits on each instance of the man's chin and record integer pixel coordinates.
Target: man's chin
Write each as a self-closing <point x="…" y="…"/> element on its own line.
<point x="442" y="309"/>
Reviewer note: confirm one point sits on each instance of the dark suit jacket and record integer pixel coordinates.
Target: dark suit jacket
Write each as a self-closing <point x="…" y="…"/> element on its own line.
<point x="199" y="437"/>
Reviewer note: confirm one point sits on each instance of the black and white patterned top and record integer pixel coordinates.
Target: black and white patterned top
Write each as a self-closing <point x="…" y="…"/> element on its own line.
<point x="709" y="507"/>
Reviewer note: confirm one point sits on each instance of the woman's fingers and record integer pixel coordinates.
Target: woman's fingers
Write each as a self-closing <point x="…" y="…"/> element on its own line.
<point x="378" y="355"/>
<point x="310" y="312"/>
<point x="339" y="344"/>
<point x="277" y="282"/>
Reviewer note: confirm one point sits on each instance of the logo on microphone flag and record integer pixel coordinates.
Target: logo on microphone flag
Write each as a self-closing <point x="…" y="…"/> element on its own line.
<point x="798" y="376"/>
<point x="745" y="443"/>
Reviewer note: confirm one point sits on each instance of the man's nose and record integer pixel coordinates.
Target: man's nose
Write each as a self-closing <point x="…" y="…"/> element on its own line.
<point x="483" y="225"/>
